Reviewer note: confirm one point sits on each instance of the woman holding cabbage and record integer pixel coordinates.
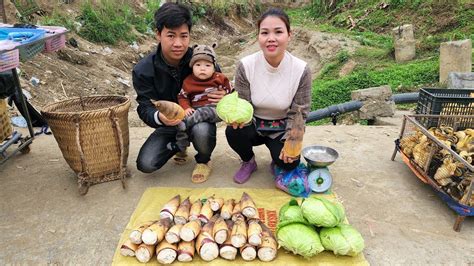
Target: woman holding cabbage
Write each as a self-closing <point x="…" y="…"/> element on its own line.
<point x="278" y="86"/>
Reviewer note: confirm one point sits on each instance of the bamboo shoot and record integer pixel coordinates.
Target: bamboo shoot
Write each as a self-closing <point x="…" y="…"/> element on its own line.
<point x="267" y="251"/>
<point x="206" y="212"/>
<point x="254" y="232"/>
<point x="170" y="208"/>
<point x="172" y="236"/>
<point x="128" y="248"/>
<point x="145" y="252"/>
<point x="170" y="110"/>
<point x="220" y="231"/>
<point x="239" y="233"/>
<point x="248" y="252"/>
<point x="136" y="235"/>
<point x="237" y="212"/>
<point x="195" y="210"/>
<point x="227" y="208"/>
<point x="205" y="245"/>
<point x="156" y="232"/>
<point x="186" y="251"/>
<point x="248" y="207"/>
<point x="190" y="230"/>
<point x="166" y="253"/>
<point x="216" y="203"/>
<point x="182" y="214"/>
<point x="226" y="250"/>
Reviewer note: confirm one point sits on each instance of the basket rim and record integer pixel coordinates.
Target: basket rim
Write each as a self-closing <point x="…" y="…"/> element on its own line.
<point x="48" y="108"/>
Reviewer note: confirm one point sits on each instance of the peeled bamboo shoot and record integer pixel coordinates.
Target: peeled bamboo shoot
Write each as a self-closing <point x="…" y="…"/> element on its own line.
<point x="190" y="230"/>
<point x="170" y="208"/>
<point x="254" y="232"/>
<point x="239" y="233"/>
<point x="220" y="231"/>
<point x="172" y="236"/>
<point x="156" y="232"/>
<point x="145" y="252"/>
<point x="294" y="142"/>
<point x="205" y="245"/>
<point x="227" y="208"/>
<point x="136" y="235"/>
<point x="206" y="212"/>
<point x="248" y="252"/>
<point x="247" y="206"/>
<point x="216" y="203"/>
<point x="166" y="253"/>
<point x="182" y="214"/>
<point x="195" y="210"/>
<point x="267" y="251"/>
<point x="186" y="251"/>
<point x="128" y="248"/>
<point x="171" y="110"/>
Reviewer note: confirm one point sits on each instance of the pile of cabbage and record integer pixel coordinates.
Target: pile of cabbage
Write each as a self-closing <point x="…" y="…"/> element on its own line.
<point x="232" y="109"/>
<point x="298" y="228"/>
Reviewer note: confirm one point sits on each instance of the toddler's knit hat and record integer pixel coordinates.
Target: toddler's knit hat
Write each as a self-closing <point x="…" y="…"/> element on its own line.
<point x="203" y="52"/>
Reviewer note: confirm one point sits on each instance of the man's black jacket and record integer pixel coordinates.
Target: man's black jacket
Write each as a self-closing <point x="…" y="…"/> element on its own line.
<point x="154" y="79"/>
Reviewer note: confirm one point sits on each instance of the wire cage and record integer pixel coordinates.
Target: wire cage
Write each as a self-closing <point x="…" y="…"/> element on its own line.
<point x="441" y="156"/>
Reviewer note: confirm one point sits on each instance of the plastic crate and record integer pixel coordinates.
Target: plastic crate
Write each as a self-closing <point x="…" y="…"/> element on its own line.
<point x="433" y="101"/>
<point x="9" y="60"/>
<point x="29" y="51"/>
<point x="57" y="42"/>
<point x="29" y="46"/>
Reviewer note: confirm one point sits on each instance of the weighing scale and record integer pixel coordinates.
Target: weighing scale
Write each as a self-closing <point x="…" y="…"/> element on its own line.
<point x="318" y="158"/>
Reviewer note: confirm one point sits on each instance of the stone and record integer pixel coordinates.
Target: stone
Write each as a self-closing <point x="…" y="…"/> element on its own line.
<point x="455" y="56"/>
<point x="404" y="41"/>
<point x="458" y="80"/>
<point x="376" y="102"/>
<point x="347" y="68"/>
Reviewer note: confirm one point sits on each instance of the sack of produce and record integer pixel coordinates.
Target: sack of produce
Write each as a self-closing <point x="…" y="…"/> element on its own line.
<point x="322" y="212"/>
<point x="294" y="182"/>
<point x="342" y="240"/>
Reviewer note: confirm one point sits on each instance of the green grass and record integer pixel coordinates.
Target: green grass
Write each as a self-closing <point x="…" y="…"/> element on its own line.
<point x="57" y="19"/>
<point x="106" y="22"/>
<point x="400" y="78"/>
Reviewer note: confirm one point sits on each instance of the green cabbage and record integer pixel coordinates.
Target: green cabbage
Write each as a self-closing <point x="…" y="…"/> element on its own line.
<point x="300" y="239"/>
<point x="322" y="212"/>
<point x="291" y="213"/>
<point x="232" y="109"/>
<point x="342" y="240"/>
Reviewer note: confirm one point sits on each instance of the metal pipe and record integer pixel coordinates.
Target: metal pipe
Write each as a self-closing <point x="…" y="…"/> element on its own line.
<point x="15" y="137"/>
<point x="410" y="97"/>
<point x="335" y="110"/>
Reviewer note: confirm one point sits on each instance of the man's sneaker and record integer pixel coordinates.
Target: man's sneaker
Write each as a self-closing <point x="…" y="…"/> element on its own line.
<point x="246" y="169"/>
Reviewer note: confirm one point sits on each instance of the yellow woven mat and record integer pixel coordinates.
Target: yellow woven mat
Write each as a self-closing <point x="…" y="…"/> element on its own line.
<point x="268" y="202"/>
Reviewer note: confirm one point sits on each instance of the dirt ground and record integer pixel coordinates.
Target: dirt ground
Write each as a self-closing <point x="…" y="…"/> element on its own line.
<point x="45" y="220"/>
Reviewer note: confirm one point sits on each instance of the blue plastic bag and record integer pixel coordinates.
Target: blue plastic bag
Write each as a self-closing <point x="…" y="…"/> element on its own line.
<point x="294" y="182"/>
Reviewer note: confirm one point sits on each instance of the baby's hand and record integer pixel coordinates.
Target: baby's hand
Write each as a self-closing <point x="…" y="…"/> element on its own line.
<point x="189" y="111"/>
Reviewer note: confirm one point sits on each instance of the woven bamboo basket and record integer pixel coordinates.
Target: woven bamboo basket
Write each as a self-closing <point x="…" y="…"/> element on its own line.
<point x="92" y="133"/>
<point x="5" y="125"/>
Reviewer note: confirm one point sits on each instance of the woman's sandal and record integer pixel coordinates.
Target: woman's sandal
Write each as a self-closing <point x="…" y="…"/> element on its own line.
<point x="201" y="173"/>
<point x="180" y="158"/>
